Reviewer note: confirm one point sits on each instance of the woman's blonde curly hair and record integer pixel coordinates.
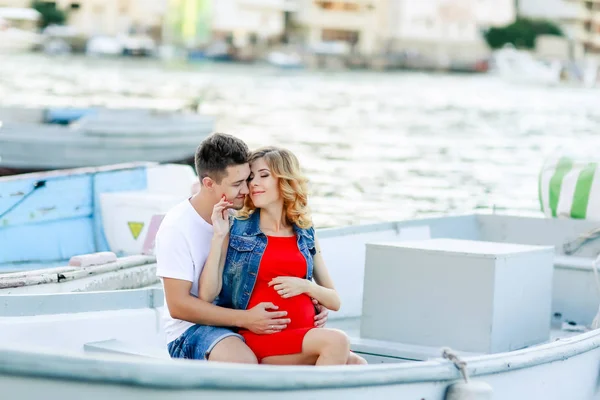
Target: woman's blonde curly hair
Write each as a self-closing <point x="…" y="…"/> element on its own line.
<point x="293" y="185"/>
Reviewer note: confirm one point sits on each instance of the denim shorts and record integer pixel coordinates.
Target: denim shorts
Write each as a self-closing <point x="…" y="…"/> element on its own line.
<point x="197" y="341"/>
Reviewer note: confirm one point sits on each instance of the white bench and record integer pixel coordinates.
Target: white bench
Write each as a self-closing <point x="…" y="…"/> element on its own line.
<point x="115" y="346"/>
<point x="473" y="296"/>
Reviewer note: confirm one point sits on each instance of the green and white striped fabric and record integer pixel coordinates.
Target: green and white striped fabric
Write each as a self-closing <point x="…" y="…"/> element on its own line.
<point x="569" y="188"/>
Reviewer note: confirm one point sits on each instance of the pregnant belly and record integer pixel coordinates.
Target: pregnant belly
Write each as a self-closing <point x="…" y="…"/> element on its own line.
<point x="300" y="308"/>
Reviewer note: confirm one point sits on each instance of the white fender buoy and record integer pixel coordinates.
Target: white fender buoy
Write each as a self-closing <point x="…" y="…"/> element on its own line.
<point x="472" y="390"/>
<point x="467" y="390"/>
<point x="90" y="260"/>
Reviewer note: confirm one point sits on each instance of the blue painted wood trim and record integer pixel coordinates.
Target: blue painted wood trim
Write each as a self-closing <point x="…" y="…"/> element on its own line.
<point x="62" y="217"/>
<point x="45" y="242"/>
<point x="59" y="198"/>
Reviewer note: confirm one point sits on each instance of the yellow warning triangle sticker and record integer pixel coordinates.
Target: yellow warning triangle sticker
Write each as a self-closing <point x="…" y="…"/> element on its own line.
<point x="135" y="228"/>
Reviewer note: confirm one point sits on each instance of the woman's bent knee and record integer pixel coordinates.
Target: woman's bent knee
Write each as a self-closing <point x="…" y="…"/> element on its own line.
<point x="319" y="340"/>
<point x="338" y="338"/>
<point x="232" y="349"/>
<point x="355" y="359"/>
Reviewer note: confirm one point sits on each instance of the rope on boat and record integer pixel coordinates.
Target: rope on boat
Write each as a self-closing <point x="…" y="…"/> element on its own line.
<point x="571" y="247"/>
<point x="461" y="365"/>
<point x="596" y="321"/>
<point x="467" y="390"/>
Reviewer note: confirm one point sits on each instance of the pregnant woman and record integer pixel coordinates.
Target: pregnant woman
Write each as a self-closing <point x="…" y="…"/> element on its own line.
<point x="269" y="255"/>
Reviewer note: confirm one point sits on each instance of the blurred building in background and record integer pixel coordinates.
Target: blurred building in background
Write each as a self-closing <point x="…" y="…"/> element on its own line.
<point x="433" y="32"/>
<point x="352" y="23"/>
<point x="249" y="21"/>
<point x="579" y="20"/>
<point x="106" y="17"/>
<point x="447" y="30"/>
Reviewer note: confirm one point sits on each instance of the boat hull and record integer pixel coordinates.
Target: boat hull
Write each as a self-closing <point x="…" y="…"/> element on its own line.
<point x="96" y="138"/>
<point x="48" y="335"/>
<point x="57" y="343"/>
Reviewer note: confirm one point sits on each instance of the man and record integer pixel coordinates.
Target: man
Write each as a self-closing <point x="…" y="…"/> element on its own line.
<point x="194" y="328"/>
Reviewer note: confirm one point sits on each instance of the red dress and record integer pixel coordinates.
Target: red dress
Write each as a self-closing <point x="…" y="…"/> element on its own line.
<point x="281" y="258"/>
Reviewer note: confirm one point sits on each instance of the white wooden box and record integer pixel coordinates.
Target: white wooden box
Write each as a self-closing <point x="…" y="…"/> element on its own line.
<point x="472" y="296"/>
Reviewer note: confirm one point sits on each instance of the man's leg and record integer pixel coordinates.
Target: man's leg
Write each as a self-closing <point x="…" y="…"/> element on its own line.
<point x="232" y="349"/>
<point x="202" y="342"/>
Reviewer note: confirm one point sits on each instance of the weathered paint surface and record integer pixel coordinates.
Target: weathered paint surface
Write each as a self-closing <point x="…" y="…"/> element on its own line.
<point x="60" y="198"/>
<point x="46" y="241"/>
<point x="125" y="273"/>
<point x="61" y="218"/>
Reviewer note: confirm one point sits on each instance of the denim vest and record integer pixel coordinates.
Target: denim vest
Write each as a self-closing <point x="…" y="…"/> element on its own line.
<point x="247" y="245"/>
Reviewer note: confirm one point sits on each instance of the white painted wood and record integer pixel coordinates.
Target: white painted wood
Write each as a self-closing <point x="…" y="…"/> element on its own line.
<point x="473" y="296"/>
<point x="126" y="273"/>
<point x="576" y="295"/>
<point x="171" y="179"/>
<point x="122" y="212"/>
<point x="41" y="354"/>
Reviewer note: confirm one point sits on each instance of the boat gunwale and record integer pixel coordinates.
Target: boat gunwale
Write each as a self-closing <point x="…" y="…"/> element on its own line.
<point x="184" y="374"/>
<point x="69" y="273"/>
<point x="41" y="175"/>
<point x="396" y="226"/>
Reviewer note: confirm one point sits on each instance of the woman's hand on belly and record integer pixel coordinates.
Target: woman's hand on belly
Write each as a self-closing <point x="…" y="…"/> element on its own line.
<point x="289" y="286"/>
<point x="300" y="310"/>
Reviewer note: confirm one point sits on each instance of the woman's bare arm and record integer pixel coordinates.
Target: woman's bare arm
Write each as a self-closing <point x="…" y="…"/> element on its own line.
<point x="211" y="277"/>
<point x="322" y="289"/>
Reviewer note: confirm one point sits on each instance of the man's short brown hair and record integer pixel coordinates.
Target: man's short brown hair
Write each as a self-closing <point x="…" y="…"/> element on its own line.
<point x="216" y="153"/>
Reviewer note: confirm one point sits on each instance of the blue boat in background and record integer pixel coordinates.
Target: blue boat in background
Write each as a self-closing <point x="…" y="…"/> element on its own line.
<point x="41" y="139"/>
<point x="48" y="217"/>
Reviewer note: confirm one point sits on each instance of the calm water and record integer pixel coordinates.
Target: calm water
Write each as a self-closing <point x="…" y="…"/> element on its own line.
<point x="376" y="146"/>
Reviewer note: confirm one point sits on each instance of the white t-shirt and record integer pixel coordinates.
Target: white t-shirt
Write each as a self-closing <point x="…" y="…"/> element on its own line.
<point x="181" y="248"/>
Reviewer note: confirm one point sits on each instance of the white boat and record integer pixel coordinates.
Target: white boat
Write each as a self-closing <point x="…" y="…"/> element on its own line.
<point x="47" y="139"/>
<point x="19" y="29"/>
<point x="285" y="60"/>
<point x="518" y="66"/>
<point x="110" y="344"/>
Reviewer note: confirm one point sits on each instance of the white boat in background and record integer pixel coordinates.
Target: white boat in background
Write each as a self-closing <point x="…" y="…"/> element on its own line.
<point x="19" y="29"/>
<point x="285" y="60"/>
<point x="48" y="139"/>
<point x="521" y="67"/>
<point x="517" y="66"/>
<point x="110" y="344"/>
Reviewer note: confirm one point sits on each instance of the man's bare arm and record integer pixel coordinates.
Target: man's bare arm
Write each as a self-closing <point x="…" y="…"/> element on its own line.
<point x="182" y="305"/>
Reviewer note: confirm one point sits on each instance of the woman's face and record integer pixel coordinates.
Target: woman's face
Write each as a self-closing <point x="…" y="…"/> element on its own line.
<point x="263" y="186"/>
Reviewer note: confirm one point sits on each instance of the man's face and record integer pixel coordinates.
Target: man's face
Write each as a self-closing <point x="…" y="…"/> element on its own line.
<point x="234" y="185"/>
